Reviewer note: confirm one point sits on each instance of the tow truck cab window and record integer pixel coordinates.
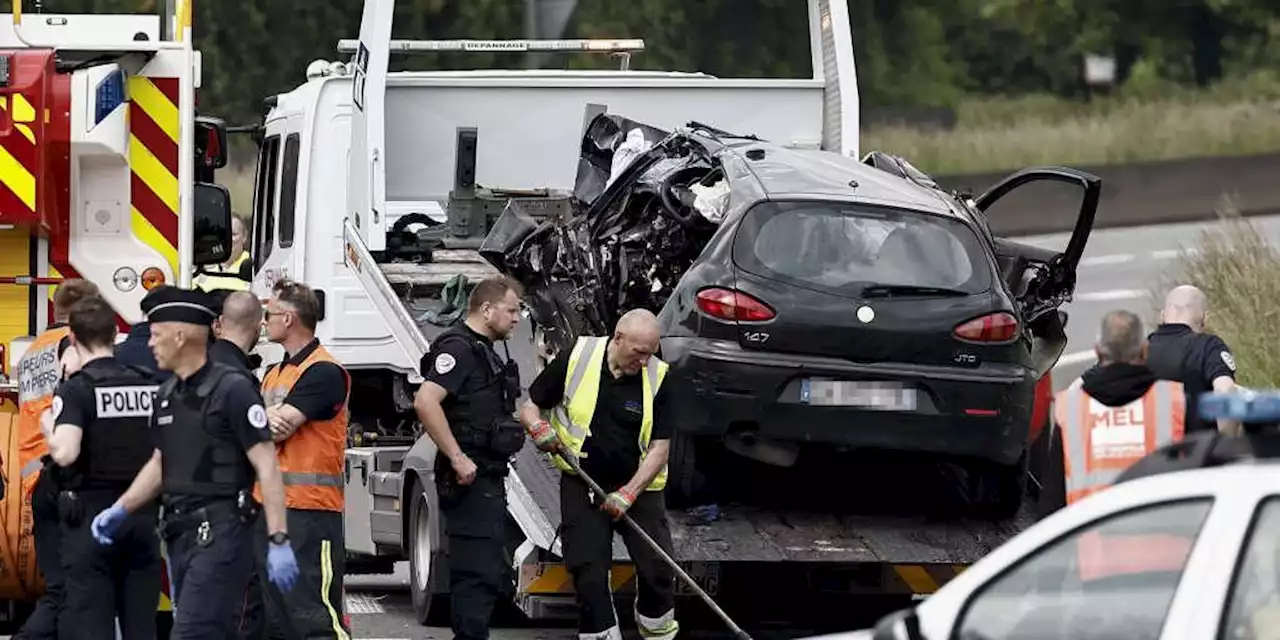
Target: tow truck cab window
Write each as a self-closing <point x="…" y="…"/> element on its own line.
<point x="1253" y="604"/>
<point x="264" y="198"/>
<point x="289" y="188"/>
<point x="1071" y="587"/>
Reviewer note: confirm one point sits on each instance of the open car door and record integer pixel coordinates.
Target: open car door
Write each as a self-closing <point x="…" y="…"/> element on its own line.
<point x="1041" y="279"/>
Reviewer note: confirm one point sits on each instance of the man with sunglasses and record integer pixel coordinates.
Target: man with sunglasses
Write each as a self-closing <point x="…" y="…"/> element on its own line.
<point x="306" y="396"/>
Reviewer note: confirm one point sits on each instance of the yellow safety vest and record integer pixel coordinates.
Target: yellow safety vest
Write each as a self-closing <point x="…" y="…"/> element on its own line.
<point x="210" y="281"/>
<point x="572" y="417"/>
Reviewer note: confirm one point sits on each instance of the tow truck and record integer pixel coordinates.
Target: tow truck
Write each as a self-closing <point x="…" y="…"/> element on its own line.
<point x="106" y="173"/>
<point x="377" y="189"/>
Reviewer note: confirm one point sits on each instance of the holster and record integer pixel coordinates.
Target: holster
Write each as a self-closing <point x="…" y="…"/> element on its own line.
<point x="70" y="508"/>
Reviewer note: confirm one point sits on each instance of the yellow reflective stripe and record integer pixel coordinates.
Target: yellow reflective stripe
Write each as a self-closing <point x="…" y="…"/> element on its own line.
<point x="153" y="172"/>
<point x="145" y="93"/>
<point x="326" y="580"/>
<point x="150" y="236"/>
<point x="18" y="179"/>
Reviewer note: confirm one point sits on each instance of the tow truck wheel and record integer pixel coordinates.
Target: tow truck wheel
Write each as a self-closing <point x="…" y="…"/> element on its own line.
<point x="421" y="559"/>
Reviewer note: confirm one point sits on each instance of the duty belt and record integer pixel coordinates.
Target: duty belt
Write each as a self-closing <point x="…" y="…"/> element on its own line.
<point x="177" y="521"/>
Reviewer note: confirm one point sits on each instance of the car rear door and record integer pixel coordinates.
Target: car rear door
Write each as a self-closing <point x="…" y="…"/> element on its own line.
<point x="859" y="282"/>
<point x="1042" y="279"/>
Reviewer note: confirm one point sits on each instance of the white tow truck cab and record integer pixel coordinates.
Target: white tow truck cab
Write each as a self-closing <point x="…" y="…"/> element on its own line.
<point x="376" y="189"/>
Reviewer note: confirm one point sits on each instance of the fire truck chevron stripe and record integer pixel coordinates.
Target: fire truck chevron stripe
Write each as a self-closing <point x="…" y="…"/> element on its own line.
<point x="17" y="179"/>
<point x="153" y="158"/>
<point x="147" y="95"/>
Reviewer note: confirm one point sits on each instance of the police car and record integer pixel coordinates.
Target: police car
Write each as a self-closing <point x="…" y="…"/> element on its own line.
<point x="1196" y="529"/>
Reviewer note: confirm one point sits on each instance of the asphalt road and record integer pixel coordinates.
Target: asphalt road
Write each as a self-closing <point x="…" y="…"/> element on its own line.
<point x="1120" y="269"/>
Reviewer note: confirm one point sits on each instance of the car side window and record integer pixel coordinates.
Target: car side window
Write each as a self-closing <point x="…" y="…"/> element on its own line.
<point x="1071" y="588"/>
<point x="1253" y="604"/>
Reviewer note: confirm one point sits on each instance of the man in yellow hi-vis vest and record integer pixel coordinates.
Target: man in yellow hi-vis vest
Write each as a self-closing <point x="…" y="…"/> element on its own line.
<point x="224" y="276"/>
<point x="609" y="406"/>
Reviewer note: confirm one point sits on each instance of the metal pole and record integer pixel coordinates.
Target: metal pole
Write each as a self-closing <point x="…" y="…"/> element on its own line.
<point x="168" y="17"/>
<point x="688" y="580"/>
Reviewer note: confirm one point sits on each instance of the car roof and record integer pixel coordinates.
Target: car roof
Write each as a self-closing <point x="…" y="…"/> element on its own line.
<point x="785" y="172"/>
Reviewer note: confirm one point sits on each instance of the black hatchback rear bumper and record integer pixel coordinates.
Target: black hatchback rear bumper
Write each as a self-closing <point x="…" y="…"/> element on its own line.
<point x="981" y="412"/>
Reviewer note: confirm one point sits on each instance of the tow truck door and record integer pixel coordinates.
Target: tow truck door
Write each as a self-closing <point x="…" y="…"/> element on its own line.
<point x="366" y="164"/>
<point x="1043" y="279"/>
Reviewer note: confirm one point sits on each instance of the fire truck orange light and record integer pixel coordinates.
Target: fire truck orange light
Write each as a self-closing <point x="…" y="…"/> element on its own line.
<point x="152" y="278"/>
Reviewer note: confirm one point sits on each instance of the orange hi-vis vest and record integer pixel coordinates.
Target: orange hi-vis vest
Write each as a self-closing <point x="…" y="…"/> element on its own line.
<point x="311" y="460"/>
<point x="1100" y="442"/>
<point x="39" y="372"/>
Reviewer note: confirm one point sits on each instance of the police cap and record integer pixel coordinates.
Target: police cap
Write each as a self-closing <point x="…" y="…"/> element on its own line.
<point x="172" y="304"/>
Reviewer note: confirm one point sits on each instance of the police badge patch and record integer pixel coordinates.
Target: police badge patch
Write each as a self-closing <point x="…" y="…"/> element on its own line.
<point x="1228" y="360"/>
<point x="258" y="416"/>
<point x="57" y="407"/>
<point x="445" y="363"/>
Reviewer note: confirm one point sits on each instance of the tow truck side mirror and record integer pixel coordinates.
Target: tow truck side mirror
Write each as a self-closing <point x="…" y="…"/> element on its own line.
<point x="212" y="209"/>
<point x="210" y="143"/>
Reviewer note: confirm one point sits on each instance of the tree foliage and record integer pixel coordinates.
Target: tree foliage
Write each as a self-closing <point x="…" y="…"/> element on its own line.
<point x="909" y="52"/>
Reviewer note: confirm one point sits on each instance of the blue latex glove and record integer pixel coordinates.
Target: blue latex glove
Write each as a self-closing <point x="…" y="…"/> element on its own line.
<point x="106" y="523"/>
<point x="282" y="566"/>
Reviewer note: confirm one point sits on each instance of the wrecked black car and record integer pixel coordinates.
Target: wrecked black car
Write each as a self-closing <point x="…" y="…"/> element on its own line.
<point x="810" y="299"/>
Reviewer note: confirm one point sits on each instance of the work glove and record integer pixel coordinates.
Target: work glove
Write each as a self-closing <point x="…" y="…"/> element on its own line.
<point x="544" y="436"/>
<point x="106" y="522"/>
<point x="282" y="565"/>
<point x="618" y="502"/>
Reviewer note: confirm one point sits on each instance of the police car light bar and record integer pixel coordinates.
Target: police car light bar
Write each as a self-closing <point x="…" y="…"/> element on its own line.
<point x="629" y="45"/>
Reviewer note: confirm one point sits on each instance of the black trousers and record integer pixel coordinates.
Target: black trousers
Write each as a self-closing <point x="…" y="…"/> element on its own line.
<point x="475" y="523"/>
<point x="46" y="528"/>
<point x="104" y="582"/>
<point x="313" y="608"/>
<point x="210" y="575"/>
<point x="587" y="541"/>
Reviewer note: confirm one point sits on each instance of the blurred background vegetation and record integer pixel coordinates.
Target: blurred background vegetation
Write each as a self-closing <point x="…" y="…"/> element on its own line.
<point x="957" y="86"/>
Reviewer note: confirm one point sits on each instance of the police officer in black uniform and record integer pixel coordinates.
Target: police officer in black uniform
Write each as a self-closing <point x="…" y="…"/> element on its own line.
<point x="237" y="329"/>
<point x="467" y="406"/>
<point x="101" y="440"/>
<point x="211" y="438"/>
<point x="1181" y="351"/>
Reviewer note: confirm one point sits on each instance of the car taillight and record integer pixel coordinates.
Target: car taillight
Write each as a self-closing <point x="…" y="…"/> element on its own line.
<point x="993" y="327"/>
<point x="728" y="304"/>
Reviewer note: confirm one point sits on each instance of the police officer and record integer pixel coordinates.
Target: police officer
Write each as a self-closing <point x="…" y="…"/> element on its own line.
<point x="467" y="405"/>
<point x="39" y="373"/>
<point x="211" y="438"/>
<point x="101" y="441"/>
<point x="237" y="329"/>
<point x="1179" y="350"/>
<point x="134" y="350"/>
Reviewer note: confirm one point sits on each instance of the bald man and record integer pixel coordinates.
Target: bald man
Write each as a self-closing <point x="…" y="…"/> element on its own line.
<point x="237" y="329"/>
<point x="609" y="404"/>
<point x="1181" y="351"/>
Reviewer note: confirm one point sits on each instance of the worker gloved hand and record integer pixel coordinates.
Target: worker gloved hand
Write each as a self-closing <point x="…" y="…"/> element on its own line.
<point x="282" y="565"/>
<point x="618" y="502"/>
<point x="106" y="522"/>
<point x="544" y="436"/>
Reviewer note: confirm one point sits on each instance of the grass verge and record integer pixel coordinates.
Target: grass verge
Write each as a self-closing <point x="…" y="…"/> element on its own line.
<point x="1238" y="268"/>
<point x="1238" y="117"/>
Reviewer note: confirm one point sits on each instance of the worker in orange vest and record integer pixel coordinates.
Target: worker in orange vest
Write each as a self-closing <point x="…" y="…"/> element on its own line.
<point x="306" y="396"/>
<point x="39" y="372"/>
<point x="1109" y="420"/>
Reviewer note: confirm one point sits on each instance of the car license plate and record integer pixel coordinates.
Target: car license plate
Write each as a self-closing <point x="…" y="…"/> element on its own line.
<point x="705" y="574"/>
<point x="882" y="396"/>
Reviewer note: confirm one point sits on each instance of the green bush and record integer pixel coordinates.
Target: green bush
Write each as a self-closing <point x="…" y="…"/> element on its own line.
<point x="1238" y="268"/>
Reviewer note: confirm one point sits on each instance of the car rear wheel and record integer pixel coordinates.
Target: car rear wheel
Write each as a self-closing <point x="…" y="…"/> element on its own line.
<point x="682" y="471"/>
<point x="997" y="491"/>
<point x="422" y="558"/>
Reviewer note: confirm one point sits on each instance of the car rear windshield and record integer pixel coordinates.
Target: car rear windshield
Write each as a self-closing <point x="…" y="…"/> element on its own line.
<point x="844" y="248"/>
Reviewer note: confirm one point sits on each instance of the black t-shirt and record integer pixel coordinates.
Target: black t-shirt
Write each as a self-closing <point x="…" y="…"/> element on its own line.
<point x="1177" y="353"/>
<point x="612" y="450"/>
<point x="455" y="366"/>
<point x="320" y="392"/>
<point x="236" y="414"/>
